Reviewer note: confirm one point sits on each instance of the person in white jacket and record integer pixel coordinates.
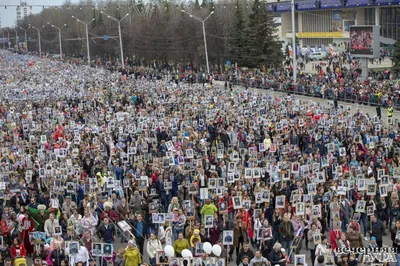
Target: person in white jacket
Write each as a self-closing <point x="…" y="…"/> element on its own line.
<point x="153" y="245"/>
<point x="89" y="222"/>
<point x="49" y="225"/>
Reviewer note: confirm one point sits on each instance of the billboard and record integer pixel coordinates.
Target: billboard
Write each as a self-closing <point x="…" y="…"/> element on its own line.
<point x="365" y="41"/>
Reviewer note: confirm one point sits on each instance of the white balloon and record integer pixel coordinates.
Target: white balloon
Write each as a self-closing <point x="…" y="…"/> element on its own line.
<point x="216" y="249"/>
<point x="186" y="253"/>
<point x="169" y="251"/>
<point x="207" y="247"/>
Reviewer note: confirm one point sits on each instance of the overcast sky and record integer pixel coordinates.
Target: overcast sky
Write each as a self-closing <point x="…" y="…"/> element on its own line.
<point x="9" y="15"/>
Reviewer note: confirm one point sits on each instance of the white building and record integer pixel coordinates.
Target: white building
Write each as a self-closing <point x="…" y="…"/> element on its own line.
<point x="23" y="10"/>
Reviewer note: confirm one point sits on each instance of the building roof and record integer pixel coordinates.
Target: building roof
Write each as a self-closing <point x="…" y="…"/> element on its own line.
<point x="306" y="5"/>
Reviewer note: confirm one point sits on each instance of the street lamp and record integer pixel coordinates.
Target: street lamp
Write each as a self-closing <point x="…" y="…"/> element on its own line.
<point x="120" y="36"/>
<point x="16" y="39"/>
<point x="294" y="48"/>
<point x="87" y="35"/>
<point x="3" y="40"/>
<point x="204" y="33"/>
<point x="38" y="31"/>
<point x="59" y="36"/>
<point x="26" y="40"/>
<point x="8" y="36"/>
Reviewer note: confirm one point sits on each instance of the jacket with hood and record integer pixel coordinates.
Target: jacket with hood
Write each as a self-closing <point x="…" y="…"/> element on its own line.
<point x="195" y="238"/>
<point x="132" y="257"/>
<point x="152" y="247"/>
<point x="209" y="209"/>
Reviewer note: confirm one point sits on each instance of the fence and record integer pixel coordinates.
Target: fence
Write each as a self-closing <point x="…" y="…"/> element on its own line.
<point x="369" y="99"/>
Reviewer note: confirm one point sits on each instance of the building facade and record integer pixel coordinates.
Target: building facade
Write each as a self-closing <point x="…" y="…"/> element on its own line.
<point x="23" y="10"/>
<point x="324" y="22"/>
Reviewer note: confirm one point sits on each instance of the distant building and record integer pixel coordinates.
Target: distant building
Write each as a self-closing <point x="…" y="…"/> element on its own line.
<point x="323" y="22"/>
<point x="23" y="10"/>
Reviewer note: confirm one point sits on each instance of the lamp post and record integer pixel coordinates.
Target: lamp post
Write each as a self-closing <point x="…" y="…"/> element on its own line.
<point x="87" y="36"/>
<point x="26" y="40"/>
<point x="4" y="41"/>
<point x="40" y="44"/>
<point x="8" y="36"/>
<point x="59" y="35"/>
<point x="294" y="48"/>
<point x="120" y="35"/>
<point x="204" y="33"/>
<point x="16" y="39"/>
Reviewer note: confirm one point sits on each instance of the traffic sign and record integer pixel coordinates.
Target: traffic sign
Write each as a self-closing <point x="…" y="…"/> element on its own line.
<point x="228" y="63"/>
<point x="105" y="37"/>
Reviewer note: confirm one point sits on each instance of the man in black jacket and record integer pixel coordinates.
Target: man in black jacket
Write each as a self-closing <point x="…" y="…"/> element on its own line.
<point x="244" y="252"/>
<point x="377" y="229"/>
<point x="12" y="234"/>
<point x="57" y="255"/>
<point x="106" y="231"/>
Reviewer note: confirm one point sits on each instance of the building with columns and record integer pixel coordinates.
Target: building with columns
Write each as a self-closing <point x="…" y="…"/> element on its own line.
<point x="323" y="22"/>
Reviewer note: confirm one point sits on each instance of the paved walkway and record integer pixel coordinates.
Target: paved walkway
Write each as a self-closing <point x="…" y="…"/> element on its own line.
<point x="387" y="63"/>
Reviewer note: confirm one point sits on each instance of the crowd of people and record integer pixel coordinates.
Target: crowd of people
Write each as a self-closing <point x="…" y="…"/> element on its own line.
<point x="92" y="160"/>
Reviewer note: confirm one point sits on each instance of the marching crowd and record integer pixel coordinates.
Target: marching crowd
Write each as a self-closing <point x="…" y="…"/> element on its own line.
<point x="90" y="158"/>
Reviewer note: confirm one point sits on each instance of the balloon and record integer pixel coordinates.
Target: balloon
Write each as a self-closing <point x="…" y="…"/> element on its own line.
<point x="169" y="251"/>
<point x="207" y="248"/>
<point x="186" y="253"/>
<point x="216" y="249"/>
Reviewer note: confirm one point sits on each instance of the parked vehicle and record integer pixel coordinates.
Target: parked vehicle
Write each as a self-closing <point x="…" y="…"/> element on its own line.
<point x="317" y="55"/>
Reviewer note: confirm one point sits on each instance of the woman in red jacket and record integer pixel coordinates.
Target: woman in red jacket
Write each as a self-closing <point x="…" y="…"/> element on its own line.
<point x="28" y="225"/>
<point x="17" y="249"/>
<point x="334" y="235"/>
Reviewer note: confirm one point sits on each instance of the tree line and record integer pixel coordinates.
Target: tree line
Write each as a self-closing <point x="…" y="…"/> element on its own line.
<point x="160" y="34"/>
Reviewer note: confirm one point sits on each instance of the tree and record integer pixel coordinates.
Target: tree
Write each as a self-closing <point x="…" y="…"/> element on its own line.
<point x="396" y="57"/>
<point x="95" y="20"/>
<point x="197" y="5"/>
<point x="263" y="46"/>
<point x="238" y="47"/>
<point x="100" y="19"/>
<point x="157" y="31"/>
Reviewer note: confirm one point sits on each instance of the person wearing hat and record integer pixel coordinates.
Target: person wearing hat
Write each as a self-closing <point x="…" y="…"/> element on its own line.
<point x="132" y="255"/>
<point x="372" y="243"/>
<point x="108" y="212"/>
<point x="40" y="217"/>
<point x="195" y="238"/>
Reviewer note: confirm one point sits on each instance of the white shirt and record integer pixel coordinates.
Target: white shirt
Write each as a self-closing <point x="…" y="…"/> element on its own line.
<point x="81" y="256"/>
